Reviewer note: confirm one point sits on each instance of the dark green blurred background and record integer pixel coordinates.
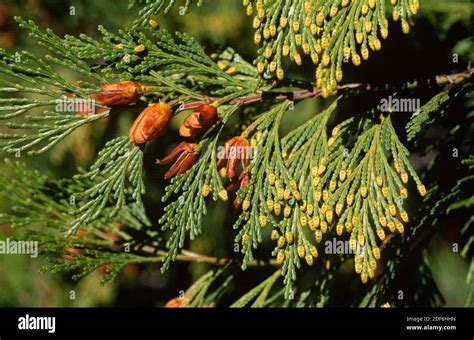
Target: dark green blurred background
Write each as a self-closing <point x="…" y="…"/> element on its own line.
<point x="442" y="28"/>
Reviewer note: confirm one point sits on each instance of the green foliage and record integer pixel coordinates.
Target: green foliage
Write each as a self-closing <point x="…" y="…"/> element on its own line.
<point x="259" y="293"/>
<point x="116" y="163"/>
<point x="200" y="293"/>
<point x="435" y="107"/>
<point x="40" y="87"/>
<point x="152" y="8"/>
<point x="331" y="32"/>
<point x="42" y="207"/>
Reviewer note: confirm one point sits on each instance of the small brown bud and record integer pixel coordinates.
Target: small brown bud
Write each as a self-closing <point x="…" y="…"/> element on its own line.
<point x="198" y="121"/>
<point x="151" y="123"/>
<point x="185" y="159"/>
<point x="235" y="150"/>
<point x="121" y="93"/>
<point x="173" y="303"/>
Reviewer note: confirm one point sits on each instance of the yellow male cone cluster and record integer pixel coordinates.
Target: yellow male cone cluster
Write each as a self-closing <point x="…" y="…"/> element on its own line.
<point x="289" y="34"/>
<point x="205" y="190"/>
<point x="245" y="204"/>
<point x="280" y="257"/>
<point x="281" y="242"/>
<point x="223" y="195"/>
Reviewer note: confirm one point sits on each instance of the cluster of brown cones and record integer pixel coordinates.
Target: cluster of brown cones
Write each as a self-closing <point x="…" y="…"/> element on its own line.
<point x="153" y="121"/>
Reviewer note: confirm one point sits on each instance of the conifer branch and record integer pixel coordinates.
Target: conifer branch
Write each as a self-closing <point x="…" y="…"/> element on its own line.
<point x="343" y="176"/>
<point x="151" y="8"/>
<point x="117" y="163"/>
<point x="441" y="79"/>
<point x="188" y="256"/>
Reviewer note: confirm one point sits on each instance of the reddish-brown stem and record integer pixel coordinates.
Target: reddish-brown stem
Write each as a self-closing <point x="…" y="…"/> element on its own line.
<point x="303" y="94"/>
<point x="203" y="258"/>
